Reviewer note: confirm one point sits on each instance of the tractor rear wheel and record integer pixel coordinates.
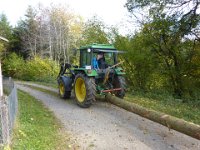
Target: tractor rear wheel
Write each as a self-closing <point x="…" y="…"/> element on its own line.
<point x="119" y="82"/>
<point x="63" y="89"/>
<point x="85" y="89"/>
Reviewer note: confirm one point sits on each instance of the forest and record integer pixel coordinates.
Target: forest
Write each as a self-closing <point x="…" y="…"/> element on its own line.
<point x="162" y="57"/>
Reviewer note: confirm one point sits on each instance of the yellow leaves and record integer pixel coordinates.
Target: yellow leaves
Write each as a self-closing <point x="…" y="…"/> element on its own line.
<point x="22" y="133"/>
<point x="39" y="68"/>
<point x="34" y="69"/>
<point x="7" y="147"/>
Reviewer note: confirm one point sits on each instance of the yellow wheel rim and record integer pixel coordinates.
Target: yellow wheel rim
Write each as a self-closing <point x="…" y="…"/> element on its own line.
<point x="80" y="90"/>
<point x="62" y="88"/>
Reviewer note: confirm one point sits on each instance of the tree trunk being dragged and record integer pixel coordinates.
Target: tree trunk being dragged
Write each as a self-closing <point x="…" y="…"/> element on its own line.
<point x="171" y="122"/>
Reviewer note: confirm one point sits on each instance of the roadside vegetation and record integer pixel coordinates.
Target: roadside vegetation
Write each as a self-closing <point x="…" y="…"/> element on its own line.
<point x="37" y="69"/>
<point x="37" y="128"/>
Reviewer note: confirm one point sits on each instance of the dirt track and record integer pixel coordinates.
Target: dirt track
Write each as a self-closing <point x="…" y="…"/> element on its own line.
<point x="105" y="126"/>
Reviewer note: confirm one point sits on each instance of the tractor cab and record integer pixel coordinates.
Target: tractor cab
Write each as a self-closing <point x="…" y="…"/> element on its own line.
<point x="105" y="54"/>
<point x="98" y="73"/>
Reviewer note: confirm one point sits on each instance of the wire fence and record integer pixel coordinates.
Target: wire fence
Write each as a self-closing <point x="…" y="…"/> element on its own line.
<point x="8" y="110"/>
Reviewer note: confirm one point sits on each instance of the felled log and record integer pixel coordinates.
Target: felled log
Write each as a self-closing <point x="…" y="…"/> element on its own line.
<point x="171" y="122"/>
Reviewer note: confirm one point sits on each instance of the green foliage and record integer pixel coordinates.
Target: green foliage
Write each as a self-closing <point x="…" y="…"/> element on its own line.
<point x="5" y="32"/>
<point x="39" y="69"/>
<point x="13" y="66"/>
<point x="2" y="47"/>
<point x="140" y="63"/>
<point x="5" y="28"/>
<point x="36" y="69"/>
<point x="169" y="40"/>
<point x="37" y="127"/>
<point x="94" y="32"/>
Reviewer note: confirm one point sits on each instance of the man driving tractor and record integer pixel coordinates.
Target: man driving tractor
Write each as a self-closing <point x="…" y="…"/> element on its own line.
<point x="99" y="61"/>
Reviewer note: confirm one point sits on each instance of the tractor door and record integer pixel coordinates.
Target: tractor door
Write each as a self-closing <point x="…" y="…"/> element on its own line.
<point x="85" y="58"/>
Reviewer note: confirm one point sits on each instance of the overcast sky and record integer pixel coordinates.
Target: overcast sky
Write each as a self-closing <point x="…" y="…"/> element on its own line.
<point x="112" y="12"/>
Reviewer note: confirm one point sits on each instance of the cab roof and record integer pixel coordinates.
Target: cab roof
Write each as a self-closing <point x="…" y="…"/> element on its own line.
<point x="99" y="46"/>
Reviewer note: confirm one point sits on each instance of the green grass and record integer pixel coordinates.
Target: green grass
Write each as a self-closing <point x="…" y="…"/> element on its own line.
<point x="168" y="105"/>
<point x="37" y="128"/>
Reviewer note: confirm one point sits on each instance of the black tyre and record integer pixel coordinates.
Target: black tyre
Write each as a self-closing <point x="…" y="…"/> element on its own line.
<point x="64" y="91"/>
<point x="84" y="89"/>
<point x="119" y="82"/>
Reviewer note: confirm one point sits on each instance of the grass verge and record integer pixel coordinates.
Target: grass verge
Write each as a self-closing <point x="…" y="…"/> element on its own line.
<point x="171" y="106"/>
<point x="37" y="128"/>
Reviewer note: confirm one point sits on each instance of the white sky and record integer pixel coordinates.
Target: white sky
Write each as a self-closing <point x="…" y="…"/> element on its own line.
<point x="112" y="12"/>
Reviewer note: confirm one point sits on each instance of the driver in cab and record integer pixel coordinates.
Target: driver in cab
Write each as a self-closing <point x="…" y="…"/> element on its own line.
<point x="99" y="61"/>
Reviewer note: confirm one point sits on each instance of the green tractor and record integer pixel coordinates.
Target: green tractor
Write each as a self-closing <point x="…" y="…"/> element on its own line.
<point x="98" y="73"/>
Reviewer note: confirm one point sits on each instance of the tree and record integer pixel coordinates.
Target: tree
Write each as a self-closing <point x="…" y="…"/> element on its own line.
<point x="5" y="28"/>
<point x="6" y="32"/>
<point x="50" y="32"/>
<point x="94" y="32"/>
<point x="28" y="30"/>
<point x="64" y="33"/>
<point x="172" y="31"/>
<point x="139" y="61"/>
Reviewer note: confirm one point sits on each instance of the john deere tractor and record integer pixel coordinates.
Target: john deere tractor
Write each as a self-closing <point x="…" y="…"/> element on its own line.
<point x="98" y="73"/>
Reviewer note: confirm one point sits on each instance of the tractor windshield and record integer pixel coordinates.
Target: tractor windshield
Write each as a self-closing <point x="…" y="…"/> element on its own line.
<point x="109" y="59"/>
<point x="104" y="60"/>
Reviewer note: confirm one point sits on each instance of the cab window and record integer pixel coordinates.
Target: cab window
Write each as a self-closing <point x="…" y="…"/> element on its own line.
<point x="85" y="58"/>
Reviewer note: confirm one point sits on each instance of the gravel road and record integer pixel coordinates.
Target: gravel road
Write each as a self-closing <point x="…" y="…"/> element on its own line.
<point x="104" y="126"/>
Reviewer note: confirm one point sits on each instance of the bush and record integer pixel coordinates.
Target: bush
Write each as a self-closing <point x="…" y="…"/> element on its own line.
<point x="36" y="69"/>
<point x="13" y="66"/>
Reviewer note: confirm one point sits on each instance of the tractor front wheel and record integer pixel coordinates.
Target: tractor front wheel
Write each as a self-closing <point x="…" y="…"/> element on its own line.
<point x="84" y="88"/>
<point x="63" y="92"/>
